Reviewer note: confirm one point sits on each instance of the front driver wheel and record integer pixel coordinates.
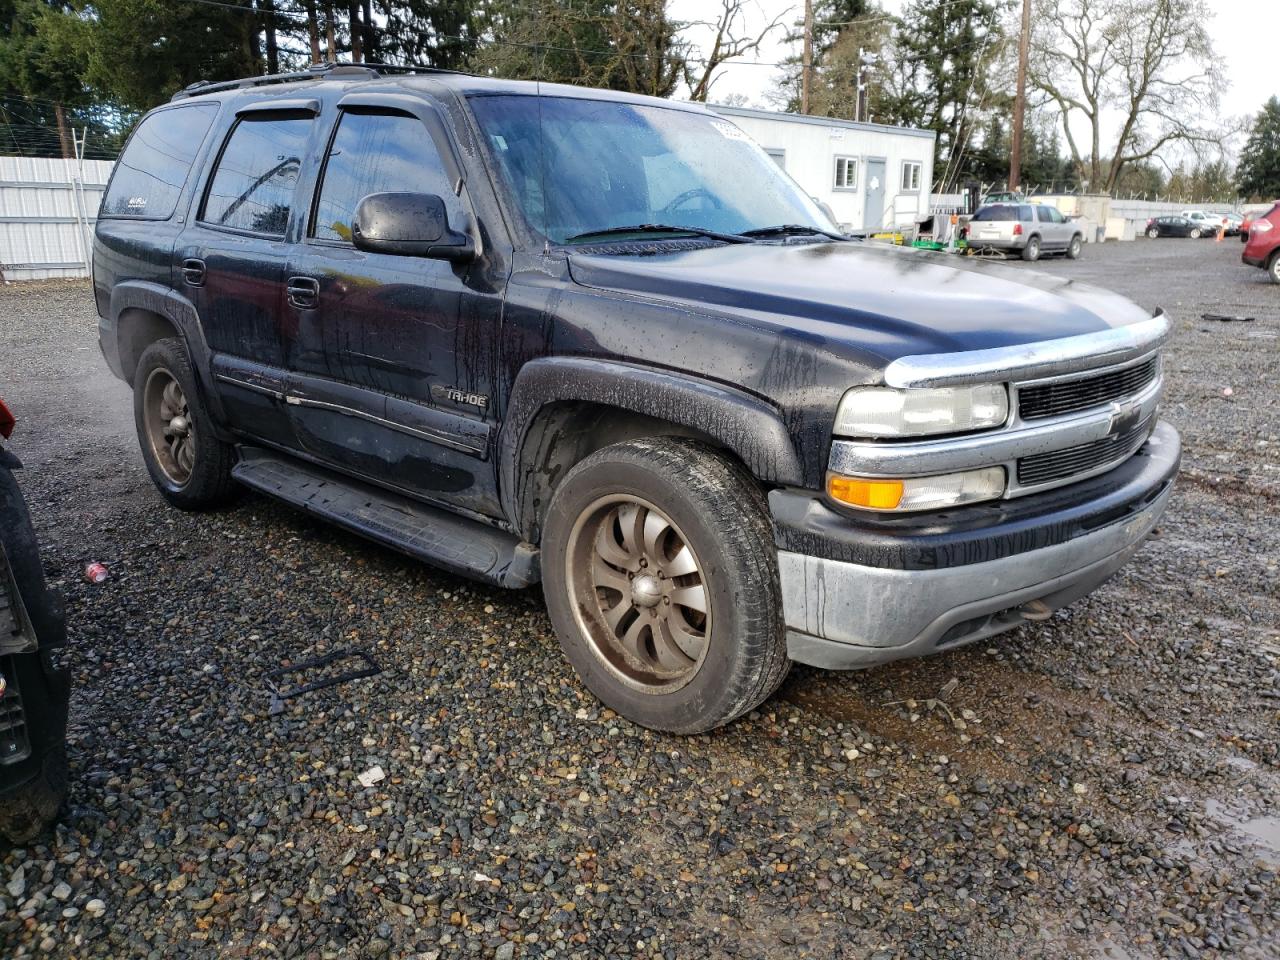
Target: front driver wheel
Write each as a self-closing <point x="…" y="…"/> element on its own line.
<point x="188" y="464"/>
<point x="660" y="574"/>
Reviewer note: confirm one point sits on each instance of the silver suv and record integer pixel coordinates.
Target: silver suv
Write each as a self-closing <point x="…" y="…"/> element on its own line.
<point x="1028" y="228"/>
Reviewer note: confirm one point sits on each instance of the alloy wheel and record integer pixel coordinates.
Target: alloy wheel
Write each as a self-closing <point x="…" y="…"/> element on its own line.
<point x="639" y="593"/>
<point x="168" y="424"/>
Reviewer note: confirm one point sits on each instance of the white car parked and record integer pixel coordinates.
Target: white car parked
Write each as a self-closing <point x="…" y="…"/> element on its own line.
<point x="1209" y="223"/>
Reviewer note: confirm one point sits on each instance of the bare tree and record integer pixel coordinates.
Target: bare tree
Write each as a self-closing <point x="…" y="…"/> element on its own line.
<point x="730" y="41"/>
<point x="1147" y="64"/>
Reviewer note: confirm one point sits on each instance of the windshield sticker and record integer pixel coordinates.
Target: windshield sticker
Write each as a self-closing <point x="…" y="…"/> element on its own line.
<point x="729" y="130"/>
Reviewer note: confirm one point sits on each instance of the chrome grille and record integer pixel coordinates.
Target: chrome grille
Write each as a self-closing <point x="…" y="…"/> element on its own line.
<point x="1083" y="458"/>
<point x="1068" y="396"/>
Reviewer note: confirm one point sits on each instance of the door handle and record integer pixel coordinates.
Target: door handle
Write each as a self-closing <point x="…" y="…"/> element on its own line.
<point x="304" y="292"/>
<point x="193" y="271"/>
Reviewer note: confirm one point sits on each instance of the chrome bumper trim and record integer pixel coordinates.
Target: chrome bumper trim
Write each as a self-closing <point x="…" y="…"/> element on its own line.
<point x="845" y="615"/>
<point x="995" y="448"/>
<point x="1029" y="361"/>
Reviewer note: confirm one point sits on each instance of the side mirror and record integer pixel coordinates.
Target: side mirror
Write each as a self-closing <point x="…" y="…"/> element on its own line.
<point x="409" y="225"/>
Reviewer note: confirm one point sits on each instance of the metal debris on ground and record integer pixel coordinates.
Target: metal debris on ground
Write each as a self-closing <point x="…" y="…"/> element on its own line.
<point x="1225" y="317"/>
<point x="282" y="690"/>
<point x="374" y="774"/>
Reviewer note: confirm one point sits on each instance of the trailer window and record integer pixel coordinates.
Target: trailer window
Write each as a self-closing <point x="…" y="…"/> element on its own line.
<point x="846" y="173"/>
<point x="910" y="176"/>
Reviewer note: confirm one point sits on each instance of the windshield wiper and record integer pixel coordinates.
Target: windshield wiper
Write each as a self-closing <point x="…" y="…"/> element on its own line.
<point x="792" y="229"/>
<point x="659" y="228"/>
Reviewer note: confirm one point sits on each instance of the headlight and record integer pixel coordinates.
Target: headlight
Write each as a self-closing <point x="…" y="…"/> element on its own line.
<point x="918" y="493"/>
<point x="888" y="412"/>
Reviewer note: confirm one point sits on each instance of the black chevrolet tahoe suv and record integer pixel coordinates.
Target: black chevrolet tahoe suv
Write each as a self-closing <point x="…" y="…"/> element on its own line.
<point x="529" y="332"/>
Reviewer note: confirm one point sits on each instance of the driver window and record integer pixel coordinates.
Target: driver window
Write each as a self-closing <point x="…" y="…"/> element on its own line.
<point x="375" y="153"/>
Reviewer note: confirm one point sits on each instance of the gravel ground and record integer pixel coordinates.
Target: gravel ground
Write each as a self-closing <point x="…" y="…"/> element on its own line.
<point x="1101" y="785"/>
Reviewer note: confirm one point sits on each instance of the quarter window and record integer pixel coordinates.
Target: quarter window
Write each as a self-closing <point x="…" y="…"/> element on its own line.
<point x="151" y="173"/>
<point x="252" y="187"/>
<point x="846" y="173"/>
<point x="374" y="153"/>
<point x="910" y="176"/>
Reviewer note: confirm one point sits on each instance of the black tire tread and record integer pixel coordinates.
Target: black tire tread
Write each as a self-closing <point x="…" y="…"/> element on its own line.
<point x="210" y="484"/>
<point x="733" y="504"/>
<point x="26" y="811"/>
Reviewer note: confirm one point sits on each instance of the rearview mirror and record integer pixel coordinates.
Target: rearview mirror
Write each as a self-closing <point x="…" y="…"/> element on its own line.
<point x="410" y="225"/>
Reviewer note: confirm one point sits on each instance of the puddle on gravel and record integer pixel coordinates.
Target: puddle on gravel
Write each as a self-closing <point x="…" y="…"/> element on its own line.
<point x="1263" y="831"/>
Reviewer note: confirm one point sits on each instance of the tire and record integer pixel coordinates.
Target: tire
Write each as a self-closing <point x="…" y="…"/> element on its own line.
<point x="27" y="810"/>
<point x="1075" y="247"/>
<point x="700" y="521"/>
<point x="1153" y="233"/>
<point x="1195" y="233"/>
<point x="188" y="464"/>
<point x="1031" y="252"/>
<point x="1273" y="267"/>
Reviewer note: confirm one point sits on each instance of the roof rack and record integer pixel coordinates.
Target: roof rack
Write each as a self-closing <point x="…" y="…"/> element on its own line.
<point x="317" y="71"/>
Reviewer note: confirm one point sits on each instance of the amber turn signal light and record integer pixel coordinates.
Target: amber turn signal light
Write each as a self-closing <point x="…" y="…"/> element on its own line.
<point x="860" y="492"/>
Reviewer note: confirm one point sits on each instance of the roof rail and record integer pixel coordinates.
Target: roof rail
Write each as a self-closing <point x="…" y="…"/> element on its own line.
<point x="317" y="71"/>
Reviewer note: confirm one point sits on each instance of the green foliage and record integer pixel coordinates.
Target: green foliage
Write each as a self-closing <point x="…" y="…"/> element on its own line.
<point x="945" y="52"/>
<point x="1258" y="174"/>
<point x="438" y="33"/>
<point x="632" y="46"/>
<point x="142" y="51"/>
<point x="837" y="38"/>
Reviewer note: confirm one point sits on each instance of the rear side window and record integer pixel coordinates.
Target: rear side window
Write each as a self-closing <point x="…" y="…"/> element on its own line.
<point x="150" y="174"/>
<point x="997" y="212"/>
<point x="252" y="186"/>
<point x="375" y="153"/>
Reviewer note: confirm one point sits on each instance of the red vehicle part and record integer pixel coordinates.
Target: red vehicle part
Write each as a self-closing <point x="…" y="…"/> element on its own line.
<point x="1262" y="249"/>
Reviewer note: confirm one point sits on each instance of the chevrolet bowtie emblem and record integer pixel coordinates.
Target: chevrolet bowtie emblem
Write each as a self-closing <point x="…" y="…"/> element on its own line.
<point x="1123" y="418"/>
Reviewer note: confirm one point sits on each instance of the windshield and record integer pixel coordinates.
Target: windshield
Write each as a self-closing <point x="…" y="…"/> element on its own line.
<point x="593" y="165"/>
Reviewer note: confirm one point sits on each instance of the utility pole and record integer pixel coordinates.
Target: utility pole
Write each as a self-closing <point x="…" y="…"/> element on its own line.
<point x="807" y="68"/>
<point x="857" y="89"/>
<point x="1020" y="101"/>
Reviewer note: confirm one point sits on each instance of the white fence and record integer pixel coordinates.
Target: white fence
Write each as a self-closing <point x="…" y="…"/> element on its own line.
<point x="47" y="212"/>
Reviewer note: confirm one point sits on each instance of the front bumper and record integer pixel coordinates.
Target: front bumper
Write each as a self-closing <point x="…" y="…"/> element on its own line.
<point x="855" y="599"/>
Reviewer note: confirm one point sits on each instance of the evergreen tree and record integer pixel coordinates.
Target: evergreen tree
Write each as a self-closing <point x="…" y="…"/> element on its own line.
<point x="43" y="94"/>
<point x="837" y="38"/>
<point x="944" y="51"/>
<point x="632" y="45"/>
<point x="437" y="33"/>
<point x="1258" y="174"/>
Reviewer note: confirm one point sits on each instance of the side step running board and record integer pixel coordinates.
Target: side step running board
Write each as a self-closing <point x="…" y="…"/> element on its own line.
<point x="423" y="532"/>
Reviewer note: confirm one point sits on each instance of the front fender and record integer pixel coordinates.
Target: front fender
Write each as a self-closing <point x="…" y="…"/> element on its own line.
<point x="748" y="426"/>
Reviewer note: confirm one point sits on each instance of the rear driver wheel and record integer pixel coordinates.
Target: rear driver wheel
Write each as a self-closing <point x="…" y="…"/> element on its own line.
<point x="660" y="575"/>
<point x="188" y="464"/>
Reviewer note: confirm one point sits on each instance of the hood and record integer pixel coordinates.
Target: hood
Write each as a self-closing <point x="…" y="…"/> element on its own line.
<point x="886" y="301"/>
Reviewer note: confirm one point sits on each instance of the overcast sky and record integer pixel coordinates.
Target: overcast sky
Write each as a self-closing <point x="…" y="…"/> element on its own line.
<point x="1244" y="33"/>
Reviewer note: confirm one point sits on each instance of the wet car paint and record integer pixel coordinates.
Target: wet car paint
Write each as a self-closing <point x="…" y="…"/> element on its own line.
<point x="792" y="324"/>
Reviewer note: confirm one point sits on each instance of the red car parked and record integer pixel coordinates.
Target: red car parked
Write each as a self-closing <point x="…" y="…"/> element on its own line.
<point x="1263" y="246"/>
